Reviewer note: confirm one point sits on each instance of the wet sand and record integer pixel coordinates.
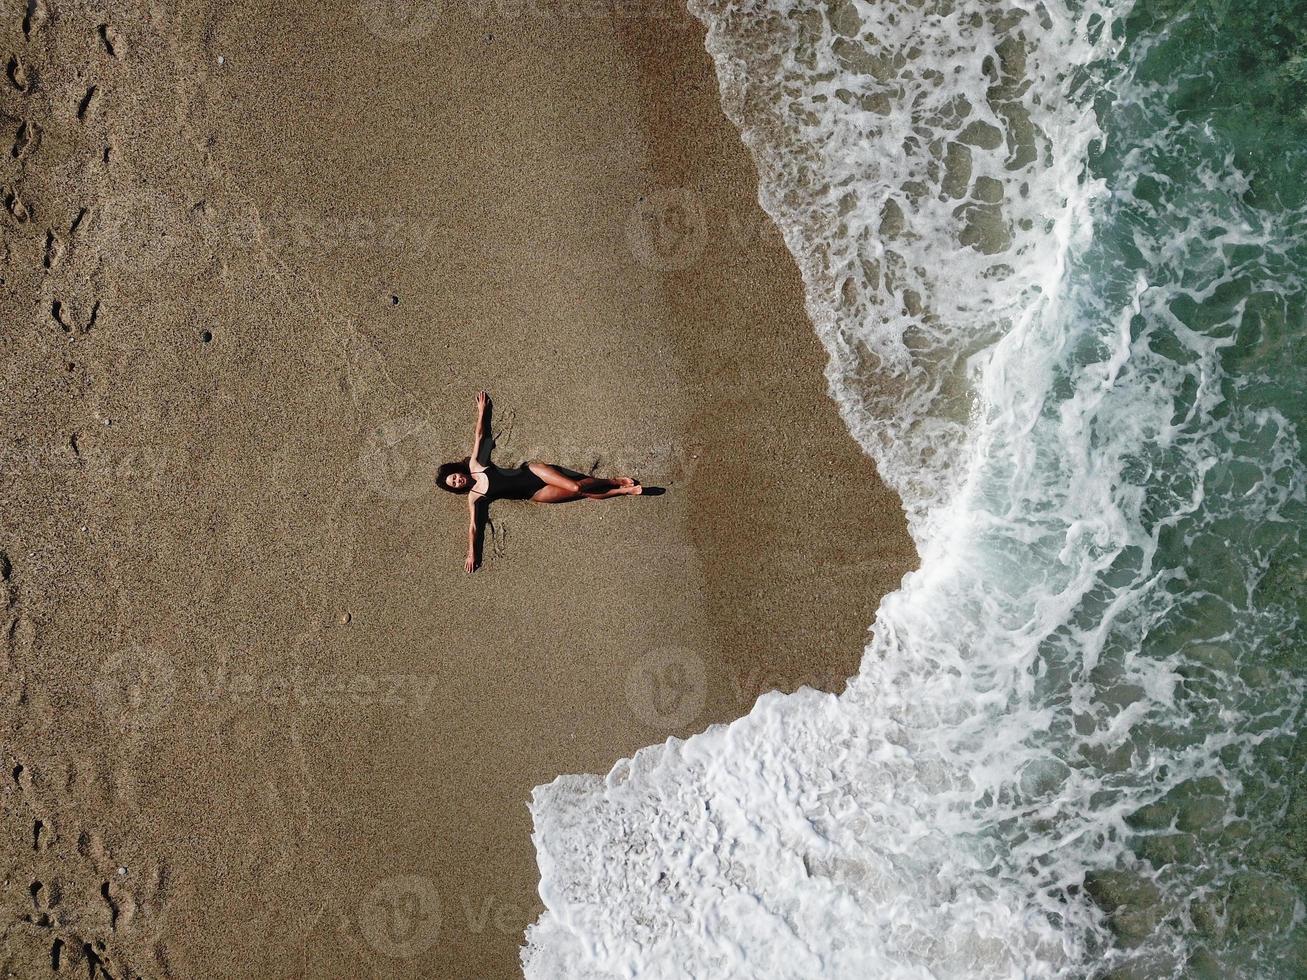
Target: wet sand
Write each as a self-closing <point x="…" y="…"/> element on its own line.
<point x="260" y="721"/>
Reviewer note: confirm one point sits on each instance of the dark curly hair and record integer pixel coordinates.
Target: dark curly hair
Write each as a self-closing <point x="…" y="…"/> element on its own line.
<point x="446" y="470"/>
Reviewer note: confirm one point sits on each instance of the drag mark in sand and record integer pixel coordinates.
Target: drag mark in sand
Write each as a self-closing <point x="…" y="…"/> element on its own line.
<point x="78" y="221"/>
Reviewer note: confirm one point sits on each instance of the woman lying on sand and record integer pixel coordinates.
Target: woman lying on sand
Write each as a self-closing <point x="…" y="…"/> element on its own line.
<point x="538" y="482"/>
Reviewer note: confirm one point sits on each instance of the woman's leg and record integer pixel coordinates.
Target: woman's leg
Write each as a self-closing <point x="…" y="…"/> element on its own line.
<point x="587" y="486"/>
<point x="554" y="495"/>
<point x="560" y="488"/>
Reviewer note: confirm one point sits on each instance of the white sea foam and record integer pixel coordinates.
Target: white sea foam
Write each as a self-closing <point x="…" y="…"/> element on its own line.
<point x="926" y="163"/>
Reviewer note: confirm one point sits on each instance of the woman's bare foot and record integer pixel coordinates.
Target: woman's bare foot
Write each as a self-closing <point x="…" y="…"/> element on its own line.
<point x="624" y="481"/>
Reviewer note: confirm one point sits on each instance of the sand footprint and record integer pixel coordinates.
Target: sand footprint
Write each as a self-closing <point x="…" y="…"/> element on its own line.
<point x="15" y="206"/>
<point x="56" y="955"/>
<point x="17" y="641"/>
<point x="8" y="593"/>
<point x="63" y="316"/>
<point x="26" y="140"/>
<point x="54" y="249"/>
<point x="45" y="905"/>
<point x="97" y="959"/>
<point x="17" y="72"/>
<point x="22" y="778"/>
<point x="66" y="317"/>
<point x="113" y="45"/>
<point x="43" y="835"/>
<point x="121" y="905"/>
<point x="35" y="17"/>
<point x="105" y="901"/>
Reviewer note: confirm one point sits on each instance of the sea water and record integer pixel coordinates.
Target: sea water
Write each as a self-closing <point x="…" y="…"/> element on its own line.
<point x="1057" y="253"/>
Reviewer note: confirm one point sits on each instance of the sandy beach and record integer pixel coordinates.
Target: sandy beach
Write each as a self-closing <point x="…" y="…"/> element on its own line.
<point x="257" y="262"/>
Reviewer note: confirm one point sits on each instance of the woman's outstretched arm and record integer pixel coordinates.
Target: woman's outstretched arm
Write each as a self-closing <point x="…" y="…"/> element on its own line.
<point x="481" y="443"/>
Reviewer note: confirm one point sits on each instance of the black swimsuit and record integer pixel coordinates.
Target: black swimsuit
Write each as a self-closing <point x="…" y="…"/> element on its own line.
<point x="515" y="484"/>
